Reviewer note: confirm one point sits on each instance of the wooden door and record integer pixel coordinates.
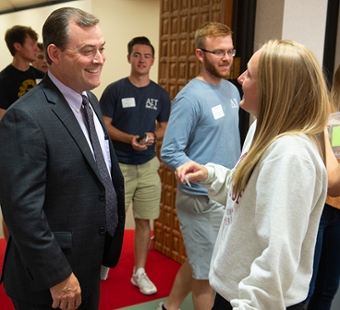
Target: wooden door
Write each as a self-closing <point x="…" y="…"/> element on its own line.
<point x="178" y="64"/>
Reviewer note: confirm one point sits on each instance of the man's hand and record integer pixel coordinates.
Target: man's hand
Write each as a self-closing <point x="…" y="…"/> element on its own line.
<point x="66" y="294"/>
<point x="138" y="146"/>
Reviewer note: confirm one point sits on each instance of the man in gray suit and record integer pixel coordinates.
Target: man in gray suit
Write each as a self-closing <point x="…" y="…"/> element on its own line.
<point x="53" y="193"/>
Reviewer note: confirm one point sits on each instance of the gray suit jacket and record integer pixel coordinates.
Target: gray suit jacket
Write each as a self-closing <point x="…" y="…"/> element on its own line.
<point x="52" y="198"/>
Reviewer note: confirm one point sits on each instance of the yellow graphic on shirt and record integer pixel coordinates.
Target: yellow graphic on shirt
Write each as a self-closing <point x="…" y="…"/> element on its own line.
<point x="26" y="86"/>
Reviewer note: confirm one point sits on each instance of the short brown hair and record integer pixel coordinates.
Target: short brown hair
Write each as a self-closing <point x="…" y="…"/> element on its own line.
<point x="40" y="46"/>
<point x="210" y="29"/>
<point x="18" y="34"/>
<point x="56" y="27"/>
<point x="142" y="41"/>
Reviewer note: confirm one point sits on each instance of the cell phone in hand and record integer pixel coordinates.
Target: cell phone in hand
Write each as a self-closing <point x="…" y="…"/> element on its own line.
<point x="143" y="139"/>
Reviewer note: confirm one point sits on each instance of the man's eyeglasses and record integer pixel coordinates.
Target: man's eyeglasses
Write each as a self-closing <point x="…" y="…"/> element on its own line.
<point x="220" y="53"/>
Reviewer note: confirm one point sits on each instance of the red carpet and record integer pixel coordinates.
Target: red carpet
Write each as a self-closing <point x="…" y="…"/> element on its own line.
<point x="117" y="291"/>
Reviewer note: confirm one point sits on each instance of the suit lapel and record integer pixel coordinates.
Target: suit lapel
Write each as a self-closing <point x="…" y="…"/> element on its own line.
<point x="66" y="116"/>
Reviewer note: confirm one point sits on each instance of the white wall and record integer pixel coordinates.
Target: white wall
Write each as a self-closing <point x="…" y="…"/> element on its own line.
<point x="303" y="21"/>
<point x="120" y="21"/>
<point x="268" y="22"/>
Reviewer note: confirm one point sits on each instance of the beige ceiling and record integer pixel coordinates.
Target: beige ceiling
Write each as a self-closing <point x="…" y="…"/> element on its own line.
<point x="15" y="5"/>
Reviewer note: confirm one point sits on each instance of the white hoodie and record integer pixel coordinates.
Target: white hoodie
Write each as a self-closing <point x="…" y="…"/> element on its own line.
<point x="264" y="251"/>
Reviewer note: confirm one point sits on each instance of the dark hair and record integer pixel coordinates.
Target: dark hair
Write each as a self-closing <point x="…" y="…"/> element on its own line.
<point x="56" y="27"/>
<point x="18" y="34"/>
<point x="142" y="41"/>
<point x="40" y="46"/>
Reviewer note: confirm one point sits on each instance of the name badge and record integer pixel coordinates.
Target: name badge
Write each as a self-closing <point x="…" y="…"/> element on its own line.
<point x="217" y="112"/>
<point x="128" y="102"/>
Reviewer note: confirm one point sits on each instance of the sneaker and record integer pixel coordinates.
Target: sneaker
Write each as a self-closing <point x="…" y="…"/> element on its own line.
<point x="160" y="306"/>
<point x="144" y="284"/>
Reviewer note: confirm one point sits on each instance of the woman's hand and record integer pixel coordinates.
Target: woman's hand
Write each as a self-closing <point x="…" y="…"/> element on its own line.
<point x="192" y="172"/>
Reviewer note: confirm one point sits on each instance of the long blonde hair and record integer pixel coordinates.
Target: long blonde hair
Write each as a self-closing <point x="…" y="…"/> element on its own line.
<point x="292" y="99"/>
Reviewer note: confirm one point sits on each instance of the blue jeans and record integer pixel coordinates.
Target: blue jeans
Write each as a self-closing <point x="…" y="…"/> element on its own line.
<point x="326" y="270"/>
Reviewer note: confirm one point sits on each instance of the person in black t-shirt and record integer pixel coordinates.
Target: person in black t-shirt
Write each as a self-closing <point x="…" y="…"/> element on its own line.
<point x="19" y="76"/>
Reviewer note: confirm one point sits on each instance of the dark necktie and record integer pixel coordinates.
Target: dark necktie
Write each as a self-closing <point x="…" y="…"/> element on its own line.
<point x="110" y="193"/>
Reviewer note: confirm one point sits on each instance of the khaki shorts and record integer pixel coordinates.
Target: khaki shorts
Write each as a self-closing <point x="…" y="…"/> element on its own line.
<point x="142" y="188"/>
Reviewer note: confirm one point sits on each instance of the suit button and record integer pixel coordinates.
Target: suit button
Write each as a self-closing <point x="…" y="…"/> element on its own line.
<point x="101" y="197"/>
<point x="102" y="230"/>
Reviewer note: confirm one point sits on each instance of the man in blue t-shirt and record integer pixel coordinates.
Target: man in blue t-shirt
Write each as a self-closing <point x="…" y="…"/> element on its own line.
<point x="203" y="126"/>
<point x="136" y="112"/>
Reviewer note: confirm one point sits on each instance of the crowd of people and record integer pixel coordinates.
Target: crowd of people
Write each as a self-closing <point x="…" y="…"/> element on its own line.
<point x="260" y="222"/>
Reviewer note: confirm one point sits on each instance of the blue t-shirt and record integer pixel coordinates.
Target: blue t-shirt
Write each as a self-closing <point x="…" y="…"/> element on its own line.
<point x="203" y="127"/>
<point x="134" y="110"/>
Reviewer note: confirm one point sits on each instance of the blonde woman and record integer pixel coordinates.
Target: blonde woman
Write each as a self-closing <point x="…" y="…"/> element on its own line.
<point x="274" y="196"/>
